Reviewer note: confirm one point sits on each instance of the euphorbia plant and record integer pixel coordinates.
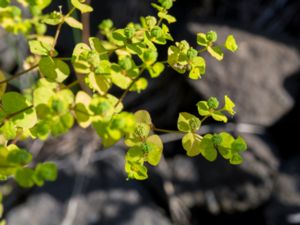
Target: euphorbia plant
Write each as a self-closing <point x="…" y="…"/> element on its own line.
<point x="124" y="57"/>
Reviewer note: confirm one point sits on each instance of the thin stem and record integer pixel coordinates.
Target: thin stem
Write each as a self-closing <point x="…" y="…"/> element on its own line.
<point x="60" y="26"/>
<point x="202" y="50"/>
<point x="203" y="119"/>
<point x="57" y="34"/>
<point x="18" y="74"/>
<point x="167" y="131"/>
<point x="15" y="113"/>
<point x="74" y="83"/>
<point x="17" y="138"/>
<point x="129" y="87"/>
<point x="65" y="58"/>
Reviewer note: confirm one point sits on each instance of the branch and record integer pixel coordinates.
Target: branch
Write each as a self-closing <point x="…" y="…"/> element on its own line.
<point x="129" y="87"/>
<point x="15" y="113"/>
<point x="18" y="74"/>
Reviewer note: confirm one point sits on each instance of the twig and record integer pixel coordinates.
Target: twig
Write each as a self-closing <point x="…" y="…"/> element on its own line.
<point x="18" y="74"/>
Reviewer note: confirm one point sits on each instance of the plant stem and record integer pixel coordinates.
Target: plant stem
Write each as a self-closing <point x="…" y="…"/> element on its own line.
<point x="167" y="131"/>
<point x="202" y="50"/>
<point x="75" y="82"/>
<point x="129" y="87"/>
<point x="203" y="119"/>
<point x="18" y="74"/>
<point x="15" y="113"/>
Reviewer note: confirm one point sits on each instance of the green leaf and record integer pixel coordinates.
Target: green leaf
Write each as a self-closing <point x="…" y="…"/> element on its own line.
<point x="72" y="22"/>
<point x="225" y="146"/>
<point x="188" y="122"/>
<point x="143" y="116"/>
<point x="54" y="69"/>
<point x="18" y="156"/>
<point x="216" y="52"/>
<point x="198" y="68"/>
<point x="140" y="85"/>
<point x="154" y="149"/>
<point x="218" y="116"/>
<point x="166" y="4"/>
<point x="41" y="130"/>
<point x="156" y="69"/>
<point x="229" y="105"/>
<point x="96" y="44"/>
<point x="140" y="133"/>
<point x="191" y="143"/>
<point x="4" y="3"/>
<point x="42" y="95"/>
<point x="79" y="4"/>
<point x="203" y="108"/>
<point x="40" y="48"/>
<point x="167" y="17"/>
<point x="46" y="171"/>
<point x="8" y="130"/>
<point x="211" y="36"/>
<point x="82" y="112"/>
<point x="99" y="83"/>
<point x="239" y="145"/>
<point x="236" y="159"/>
<point x="207" y="148"/>
<point x="61" y="124"/>
<point x="230" y="43"/>
<point x="54" y="18"/>
<point x="202" y="39"/>
<point x="15" y="103"/>
<point x="106" y="24"/>
<point x="136" y="170"/>
<point x="150" y="56"/>
<point x="24" y="177"/>
<point x="124" y="122"/>
<point x="102" y="108"/>
<point x="213" y="103"/>
<point x="121" y="80"/>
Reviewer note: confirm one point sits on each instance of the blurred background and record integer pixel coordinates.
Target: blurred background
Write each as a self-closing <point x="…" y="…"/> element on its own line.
<point x="263" y="78"/>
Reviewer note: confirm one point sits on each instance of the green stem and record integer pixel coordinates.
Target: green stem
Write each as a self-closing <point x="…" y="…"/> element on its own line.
<point x="129" y="87"/>
<point x="202" y="50"/>
<point x="74" y="83"/>
<point x="167" y="131"/>
<point x="203" y="119"/>
<point x="15" y="113"/>
<point x="18" y="74"/>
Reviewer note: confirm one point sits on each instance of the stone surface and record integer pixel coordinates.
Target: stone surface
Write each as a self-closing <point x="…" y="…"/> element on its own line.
<point x="254" y="76"/>
<point x="284" y="209"/>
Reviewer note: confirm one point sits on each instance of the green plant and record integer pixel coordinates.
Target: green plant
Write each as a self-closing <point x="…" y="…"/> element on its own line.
<point x="52" y="105"/>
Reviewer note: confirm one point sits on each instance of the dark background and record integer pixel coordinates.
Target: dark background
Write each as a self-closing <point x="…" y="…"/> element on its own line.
<point x="263" y="79"/>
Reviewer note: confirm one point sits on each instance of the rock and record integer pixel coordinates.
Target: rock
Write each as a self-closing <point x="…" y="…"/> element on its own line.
<point x="41" y="209"/>
<point x="222" y="187"/>
<point x="253" y="77"/>
<point x="7" y="55"/>
<point x="284" y="208"/>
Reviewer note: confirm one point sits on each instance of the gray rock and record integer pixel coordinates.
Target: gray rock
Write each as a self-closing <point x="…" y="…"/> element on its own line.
<point x="284" y="208"/>
<point x="40" y="209"/>
<point x="253" y="77"/>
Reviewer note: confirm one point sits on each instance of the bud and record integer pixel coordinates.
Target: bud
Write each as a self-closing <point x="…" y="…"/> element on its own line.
<point x="217" y="139"/>
<point x="211" y="36"/>
<point x="213" y="103"/>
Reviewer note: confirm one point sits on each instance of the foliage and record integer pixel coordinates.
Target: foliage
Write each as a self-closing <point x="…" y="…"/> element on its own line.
<point x="122" y="58"/>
